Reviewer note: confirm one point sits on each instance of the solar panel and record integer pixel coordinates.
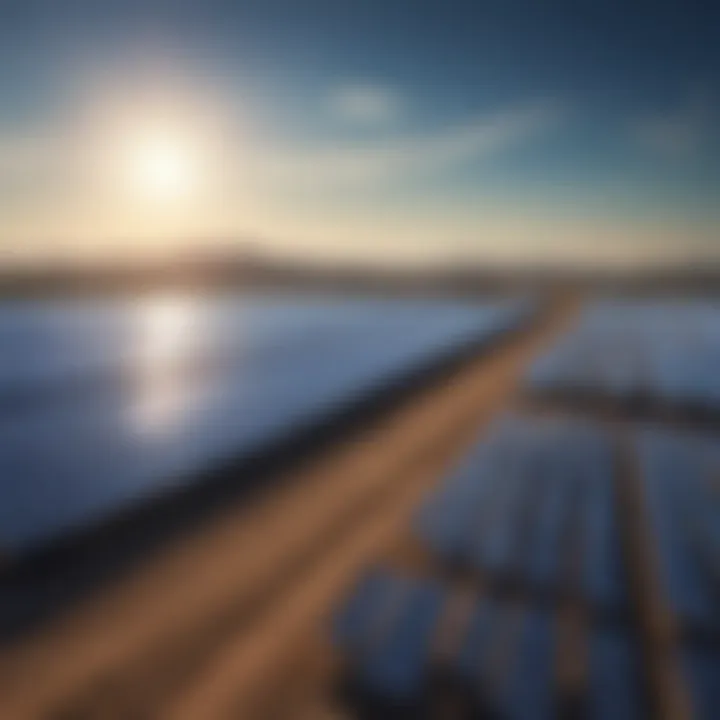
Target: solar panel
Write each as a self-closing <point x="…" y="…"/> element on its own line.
<point x="661" y="352"/>
<point x="107" y="404"/>
<point x="529" y="496"/>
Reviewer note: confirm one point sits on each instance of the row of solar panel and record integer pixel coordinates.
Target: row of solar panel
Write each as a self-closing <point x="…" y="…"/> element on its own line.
<point x="60" y="349"/>
<point x="412" y="653"/>
<point x="82" y="454"/>
<point x="667" y="353"/>
<point x="680" y="480"/>
<point x="532" y="506"/>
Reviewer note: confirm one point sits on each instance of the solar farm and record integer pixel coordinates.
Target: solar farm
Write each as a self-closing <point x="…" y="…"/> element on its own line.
<point x="151" y="395"/>
<point x="659" y="356"/>
<point x="569" y="560"/>
<point x="532" y="532"/>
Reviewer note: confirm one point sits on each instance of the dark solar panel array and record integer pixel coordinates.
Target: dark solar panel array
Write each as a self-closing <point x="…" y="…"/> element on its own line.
<point x="525" y="527"/>
<point x="105" y="404"/>
<point x="532" y="506"/>
<point x="662" y="353"/>
<point x="701" y="665"/>
<point x="680" y="473"/>
<point x="502" y="664"/>
<point x="528" y="528"/>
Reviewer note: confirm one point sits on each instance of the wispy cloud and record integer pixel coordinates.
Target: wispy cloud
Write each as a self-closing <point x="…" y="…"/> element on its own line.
<point x="680" y="134"/>
<point x="365" y="104"/>
<point x="408" y="157"/>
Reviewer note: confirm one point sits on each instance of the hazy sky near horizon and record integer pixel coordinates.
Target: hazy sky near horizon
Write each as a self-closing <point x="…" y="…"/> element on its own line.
<point x="390" y="130"/>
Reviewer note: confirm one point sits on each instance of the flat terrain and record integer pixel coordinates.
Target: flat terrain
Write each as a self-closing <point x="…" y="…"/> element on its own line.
<point x="230" y="621"/>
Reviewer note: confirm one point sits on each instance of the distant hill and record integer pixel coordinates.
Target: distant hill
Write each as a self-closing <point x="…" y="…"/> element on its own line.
<point x="246" y="268"/>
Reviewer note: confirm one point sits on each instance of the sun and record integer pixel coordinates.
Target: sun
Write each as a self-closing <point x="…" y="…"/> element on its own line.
<point x="164" y="168"/>
<point x="161" y="164"/>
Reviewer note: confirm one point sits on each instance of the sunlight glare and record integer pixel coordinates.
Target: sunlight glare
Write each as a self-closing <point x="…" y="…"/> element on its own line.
<point x="165" y="331"/>
<point x="162" y="165"/>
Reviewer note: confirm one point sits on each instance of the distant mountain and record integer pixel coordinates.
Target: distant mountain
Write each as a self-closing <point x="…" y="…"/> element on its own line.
<point x="243" y="265"/>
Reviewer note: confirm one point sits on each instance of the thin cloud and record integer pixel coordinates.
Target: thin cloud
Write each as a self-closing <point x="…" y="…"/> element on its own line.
<point x="681" y="134"/>
<point x="366" y="104"/>
<point x="400" y="159"/>
<point x="405" y="158"/>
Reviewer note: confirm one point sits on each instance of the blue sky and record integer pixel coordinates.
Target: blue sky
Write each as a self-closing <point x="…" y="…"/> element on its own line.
<point x="398" y="131"/>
